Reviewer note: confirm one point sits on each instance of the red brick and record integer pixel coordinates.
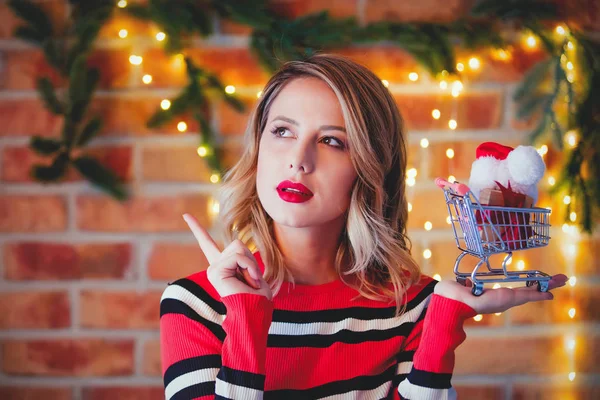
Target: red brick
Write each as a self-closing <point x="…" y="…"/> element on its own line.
<point x="422" y="210"/>
<point x="35" y="393"/>
<point x="232" y="122"/>
<point x="18" y="161"/>
<point x="22" y="68"/>
<point x="524" y="355"/>
<point x="114" y="67"/>
<point x="50" y="261"/>
<point x="424" y="11"/>
<point x="152" y="362"/>
<point x="473" y="110"/>
<point x="293" y="9"/>
<point x="55" y="9"/>
<point x="169" y="261"/>
<point x="124" y="116"/>
<point x="174" y="163"/>
<point x="555" y="391"/>
<point x="22" y="213"/>
<point x="121" y="20"/>
<point x="460" y="164"/>
<point x="152" y="214"/>
<point x="480" y="392"/>
<point x="387" y="62"/>
<point x="494" y="70"/>
<point x="82" y="357"/>
<point x="233" y="66"/>
<point x="27" y="117"/>
<point x="117" y="310"/>
<point x="124" y="393"/>
<point x="583" y="298"/>
<point x="29" y="310"/>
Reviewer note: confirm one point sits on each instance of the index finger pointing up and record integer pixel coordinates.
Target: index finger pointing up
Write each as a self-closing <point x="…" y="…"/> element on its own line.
<point x="207" y="244"/>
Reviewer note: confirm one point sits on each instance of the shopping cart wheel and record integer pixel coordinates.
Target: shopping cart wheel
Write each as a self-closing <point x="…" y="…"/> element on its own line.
<point x="543" y="286"/>
<point x="477" y="289"/>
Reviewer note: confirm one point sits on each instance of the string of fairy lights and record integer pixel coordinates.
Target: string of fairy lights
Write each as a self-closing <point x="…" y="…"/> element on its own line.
<point x="455" y="86"/>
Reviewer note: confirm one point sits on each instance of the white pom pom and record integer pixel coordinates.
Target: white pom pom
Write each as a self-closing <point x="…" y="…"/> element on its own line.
<point x="483" y="174"/>
<point x="525" y="165"/>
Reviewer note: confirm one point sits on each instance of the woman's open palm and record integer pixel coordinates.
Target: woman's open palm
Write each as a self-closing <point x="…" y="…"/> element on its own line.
<point x="497" y="300"/>
<point x="233" y="270"/>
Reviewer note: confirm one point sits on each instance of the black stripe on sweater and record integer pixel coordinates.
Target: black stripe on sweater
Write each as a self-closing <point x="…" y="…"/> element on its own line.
<point x="191" y="364"/>
<point x="429" y="379"/>
<point x="200" y="293"/>
<point x="343" y="336"/>
<point x="365" y="382"/>
<point x="362" y="313"/>
<point x="242" y="378"/>
<point x="194" y="391"/>
<point x="172" y="306"/>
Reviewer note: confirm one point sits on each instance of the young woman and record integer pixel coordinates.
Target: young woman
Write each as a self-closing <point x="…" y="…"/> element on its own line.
<point x="330" y="303"/>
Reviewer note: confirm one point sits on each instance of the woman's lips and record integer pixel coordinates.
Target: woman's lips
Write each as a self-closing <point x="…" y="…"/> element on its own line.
<point x="293" y="197"/>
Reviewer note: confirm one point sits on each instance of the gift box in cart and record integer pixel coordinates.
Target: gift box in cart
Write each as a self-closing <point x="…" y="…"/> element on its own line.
<point x="484" y="230"/>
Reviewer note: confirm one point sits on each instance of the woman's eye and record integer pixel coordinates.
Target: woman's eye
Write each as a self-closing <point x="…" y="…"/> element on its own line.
<point x="279" y="131"/>
<point x="339" y="144"/>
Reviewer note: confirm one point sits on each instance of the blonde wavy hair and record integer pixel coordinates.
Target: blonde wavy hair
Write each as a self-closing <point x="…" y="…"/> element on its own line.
<point x="373" y="254"/>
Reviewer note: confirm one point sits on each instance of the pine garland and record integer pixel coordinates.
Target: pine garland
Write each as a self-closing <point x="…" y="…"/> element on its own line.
<point x="275" y="39"/>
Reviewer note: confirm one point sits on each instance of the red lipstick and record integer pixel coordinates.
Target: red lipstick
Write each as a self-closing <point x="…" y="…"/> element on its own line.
<point x="293" y="192"/>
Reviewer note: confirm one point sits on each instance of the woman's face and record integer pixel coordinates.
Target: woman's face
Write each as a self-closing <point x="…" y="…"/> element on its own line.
<point x="304" y="141"/>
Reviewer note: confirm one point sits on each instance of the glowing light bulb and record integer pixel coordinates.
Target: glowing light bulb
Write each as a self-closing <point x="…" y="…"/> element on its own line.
<point x="458" y="85"/>
<point x="437" y="277"/>
<point x="147" y="79"/>
<point x="215" y="208"/>
<point x="428" y="225"/>
<point x="560" y="30"/>
<point x="436" y="114"/>
<point x="521" y="265"/>
<point x="565" y="228"/>
<point x="478" y="317"/>
<point x="570" y="77"/>
<point x="410" y="181"/>
<point x="258" y="94"/>
<point x="543" y="150"/>
<point x="474" y="63"/>
<point x="413" y="76"/>
<point x="412" y="173"/>
<point x="214" y="178"/>
<point x="123" y="33"/>
<point x="122" y="4"/>
<point x="570" y="65"/>
<point x="572" y="376"/>
<point x="551" y="181"/>
<point x="135" y="60"/>
<point x="573" y="216"/>
<point x="160" y="36"/>
<point x="409" y="207"/>
<point x="570" y="344"/>
<point x="449" y="153"/>
<point x="385" y="83"/>
<point x="426" y="254"/>
<point x="572" y="313"/>
<point x="571" y="138"/>
<point x="424" y="143"/>
<point x="202" y="151"/>
<point x="452" y="124"/>
<point x="230" y="89"/>
<point x="531" y="42"/>
<point x="181" y="126"/>
<point x="443" y="85"/>
<point x="451" y="178"/>
<point x="501" y="55"/>
<point x="573" y="281"/>
<point x="165" y="104"/>
<point x="460" y="67"/>
<point x="567" y="200"/>
<point x="570" y="45"/>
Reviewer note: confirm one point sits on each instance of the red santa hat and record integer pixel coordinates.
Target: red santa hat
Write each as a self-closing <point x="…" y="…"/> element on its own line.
<point x="492" y="149"/>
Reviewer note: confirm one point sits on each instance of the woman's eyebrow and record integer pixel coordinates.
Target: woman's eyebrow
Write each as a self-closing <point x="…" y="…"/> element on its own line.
<point x="322" y="128"/>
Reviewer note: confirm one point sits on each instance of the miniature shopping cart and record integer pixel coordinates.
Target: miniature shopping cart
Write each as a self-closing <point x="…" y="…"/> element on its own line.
<point x="482" y="231"/>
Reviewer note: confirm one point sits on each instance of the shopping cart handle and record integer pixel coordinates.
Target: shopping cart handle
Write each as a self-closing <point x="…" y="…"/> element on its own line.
<point x="457" y="187"/>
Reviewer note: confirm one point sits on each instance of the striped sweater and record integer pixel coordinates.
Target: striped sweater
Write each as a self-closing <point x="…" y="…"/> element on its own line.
<point x="308" y="342"/>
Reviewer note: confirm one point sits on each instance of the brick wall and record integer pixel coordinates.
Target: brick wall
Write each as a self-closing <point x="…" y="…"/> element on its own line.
<point x="81" y="275"/>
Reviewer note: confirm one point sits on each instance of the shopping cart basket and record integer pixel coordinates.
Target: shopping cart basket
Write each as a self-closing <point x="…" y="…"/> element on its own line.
<point x="482" y="231"/>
